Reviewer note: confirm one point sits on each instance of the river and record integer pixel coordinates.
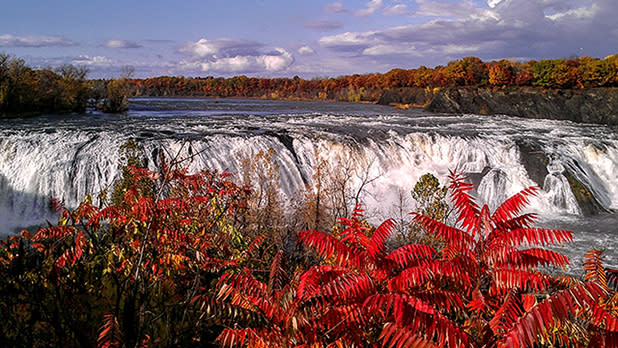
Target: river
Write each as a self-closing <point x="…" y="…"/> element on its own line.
<point x="67" y="157"/>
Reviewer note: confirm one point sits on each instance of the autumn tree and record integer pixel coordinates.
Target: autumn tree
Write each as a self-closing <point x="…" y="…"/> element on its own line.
<point x="468" y="71"/>
<point x="501" y="73"/>
<point x="497" y="256"/>
<point x="118" y="92"/>
<point x="566" y="74"/>
<point x="25" y="91"/>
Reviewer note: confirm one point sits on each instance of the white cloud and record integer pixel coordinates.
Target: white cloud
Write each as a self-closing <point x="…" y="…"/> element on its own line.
<point x="461" y="50"/>
<point x="305" y="51"/>
<point x="275" y="62"/>
<point x="381" y="50"/>
<point x="347" y="39"/>
<point x="235" y="65"/>
<point x="233" y="56"/>
<point x="577" y="13"/>
<point x="225" y="48"/>
<point x="8" y="40"/>
<point x="493" y="3"/>
<point x="117" y="43"/>
<point x="202" y="48"/>
<point x="396" y="10"/>
<point x="335" y="7"/>
<point x="372" y="7"/>
<point x="97" y="61"/>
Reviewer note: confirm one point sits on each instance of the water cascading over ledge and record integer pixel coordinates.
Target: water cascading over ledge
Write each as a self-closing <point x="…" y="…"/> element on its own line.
<point x="69" y="158"/>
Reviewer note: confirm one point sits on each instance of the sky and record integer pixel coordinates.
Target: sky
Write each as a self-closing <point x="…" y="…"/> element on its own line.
<point x="310" y="38"/>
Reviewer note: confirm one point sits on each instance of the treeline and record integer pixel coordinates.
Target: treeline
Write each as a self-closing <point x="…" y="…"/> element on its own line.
<point x="24" y="90"/>
<point x="65" y="89"/>
<point x="583" y="72"/>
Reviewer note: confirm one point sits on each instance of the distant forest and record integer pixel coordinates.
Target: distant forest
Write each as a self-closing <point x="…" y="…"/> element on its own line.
<point x="66" y="89"/>
<point x="583" y="72"/>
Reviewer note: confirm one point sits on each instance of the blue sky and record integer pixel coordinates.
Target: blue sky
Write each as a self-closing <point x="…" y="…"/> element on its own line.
<point x="308" y="38"/>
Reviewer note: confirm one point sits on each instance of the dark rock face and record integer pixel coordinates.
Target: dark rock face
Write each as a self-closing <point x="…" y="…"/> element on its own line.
<point x="405" y="95"/>
<point x="534" y="160"/>
<point x="587" y="203"/>
<point x="598" y="105"/>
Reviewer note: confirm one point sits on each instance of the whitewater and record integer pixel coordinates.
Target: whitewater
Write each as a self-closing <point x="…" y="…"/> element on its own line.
<point x="67" y="157"/>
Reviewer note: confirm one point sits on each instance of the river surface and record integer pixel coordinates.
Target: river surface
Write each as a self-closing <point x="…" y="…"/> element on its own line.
<point x="67" y="157"/>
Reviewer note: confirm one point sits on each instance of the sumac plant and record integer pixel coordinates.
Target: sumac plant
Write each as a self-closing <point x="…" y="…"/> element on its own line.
<point x="322" y="306"/>
<point x="164" y="264"/>
<point x="510" y="300"/>
<point x="123" y="275"/>
<point x="487" y="287"/>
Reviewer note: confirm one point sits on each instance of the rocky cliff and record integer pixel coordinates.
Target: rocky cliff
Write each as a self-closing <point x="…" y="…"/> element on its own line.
<point x="598" y="105"/>
<point x="595" y="105"/>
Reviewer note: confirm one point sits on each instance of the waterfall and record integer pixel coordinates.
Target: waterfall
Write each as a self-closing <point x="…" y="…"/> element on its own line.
<point x="493" y="187"/>
<point x="558" y="191"/>
<point x="387" y="154"/>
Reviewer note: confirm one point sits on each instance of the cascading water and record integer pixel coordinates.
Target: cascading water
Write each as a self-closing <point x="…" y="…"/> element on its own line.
<point x="558" y="191"/>
<point x="70" y="156"/>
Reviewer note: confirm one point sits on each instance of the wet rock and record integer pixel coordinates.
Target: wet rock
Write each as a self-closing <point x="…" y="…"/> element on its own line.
<point x="475" y="178"/>
<point x="534" y="161"/>
<point x="414" y="96"/>
<point x="585" y="199"/>
<point x="598" y="105"/>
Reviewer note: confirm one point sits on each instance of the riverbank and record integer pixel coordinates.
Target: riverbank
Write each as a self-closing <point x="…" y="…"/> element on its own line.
<point x="593" y="105"/>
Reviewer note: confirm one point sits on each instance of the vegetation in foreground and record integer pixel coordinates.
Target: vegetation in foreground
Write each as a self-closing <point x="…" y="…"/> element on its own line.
<point x="180" y="260"/>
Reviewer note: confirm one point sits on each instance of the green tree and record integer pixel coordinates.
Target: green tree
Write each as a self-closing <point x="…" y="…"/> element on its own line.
<point x="543" y="71"/>
<point x="431" y="200"/>
<point x="592" y="71"/>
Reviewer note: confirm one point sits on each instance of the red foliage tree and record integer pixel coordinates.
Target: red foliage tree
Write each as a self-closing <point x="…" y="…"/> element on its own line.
<point x="128" y="265"/>
<point x="497" y="256"/>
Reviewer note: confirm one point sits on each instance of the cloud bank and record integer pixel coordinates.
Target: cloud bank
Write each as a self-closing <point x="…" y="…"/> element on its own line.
<point x="232" y="56"/>
<point x="504" y="29"/>
<point x="8" y="40"/>
<point x="117" y="43"/>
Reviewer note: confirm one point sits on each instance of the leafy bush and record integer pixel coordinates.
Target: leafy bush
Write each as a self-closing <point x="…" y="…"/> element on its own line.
<point x="172" y="266"/>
